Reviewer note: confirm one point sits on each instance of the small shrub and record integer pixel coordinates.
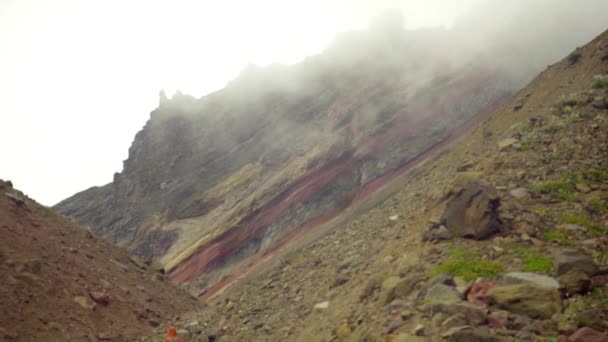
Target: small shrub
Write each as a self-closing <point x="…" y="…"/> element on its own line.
<point x="469" y="267"/>
<point x="599" y="81"/>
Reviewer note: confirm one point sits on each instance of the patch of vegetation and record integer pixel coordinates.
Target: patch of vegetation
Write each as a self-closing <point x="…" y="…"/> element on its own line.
<point x="583" y="222"/>
<point x="597" y="175"/>
<point x="574" y="118"/>
<point x="600" y="257"/>
<point x="573" y="99"/>
<point x="526" y="143"/>
<point x="558" y="237"/>
<point x="532" y="261"/>
<point x="541" y="210"/>
<point x="575" y="178"/>
<point x="468" y="266"/>
<point x="600" y="205"/>
<point x="558" y="190"/>
<point x="575" y="308"/>
<point x="600" y="295"/>
<point x="526" y="127"/>
<point x="599" y="81"/>
<point x="521" y="251"/>
<point x="553" y="126"/>
<point x="538" y="263"/>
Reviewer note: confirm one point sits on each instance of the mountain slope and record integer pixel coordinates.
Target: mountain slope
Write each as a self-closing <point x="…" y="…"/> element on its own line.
<point x="214" y="186"/>
<point x="60" y="283"/>
<point x="211" y="182"/>
<point x="544" y="153"/>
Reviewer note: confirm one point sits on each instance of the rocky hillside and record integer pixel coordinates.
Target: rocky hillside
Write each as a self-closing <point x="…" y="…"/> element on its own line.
<point x="501" y="237"/>
<point x="215" y="186"/>
<point x="61" y="283"/>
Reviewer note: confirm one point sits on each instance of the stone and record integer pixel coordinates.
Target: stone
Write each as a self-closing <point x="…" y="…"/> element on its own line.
<point x="478" y="290"/>
<point x="436" y="233"/>
<point x="530" y="278"/>
<point x="570" y="259"/>
<point x="587" y="335"/>
<point x="343" y="332"/>
<point x="84" y="302"/>
<point x="419" y="330"/>
<point x="457" y="320"/>
<point x="443" y="278"/>
<point x="27" y="277"/>
<point x="340" y="280"/>
<point x="100" y="297"/>
<point x="527" y="299"/>
<point x="545" y="327"/>
<point x="574" y="282"/>
<point x="574" y="228"/>
<point x="498" y="319"/>
<point x="321" y="306"/>
<point x="582" y="188"/>
<point x="143" y="293"/>
<point x="469" y="334"/>
<point x="506" y="143"/>
<point x="472" y="211"/>
<point x="590" y="243"/>
<point x="474" y="314"/>
<point x="520" y="193"/>
<point x="34" y="266"/>
<point x="438" y="319"/>
<point x="398" y="288"/>
<point x="461" y="286"/>
<point x="183" y="333"/>
<point x="409" y="338"/>
<point x="441" y="293"/>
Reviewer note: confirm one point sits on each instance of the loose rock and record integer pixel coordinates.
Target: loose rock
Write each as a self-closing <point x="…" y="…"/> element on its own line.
<point x="472" y="211"/>
<point x="527" y="299"/>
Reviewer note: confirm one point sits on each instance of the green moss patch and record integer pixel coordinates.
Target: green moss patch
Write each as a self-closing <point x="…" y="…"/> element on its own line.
<point x="469" y="267"/>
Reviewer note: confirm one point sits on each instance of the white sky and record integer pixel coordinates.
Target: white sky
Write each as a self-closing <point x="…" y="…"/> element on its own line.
<point x="78" y="78"/>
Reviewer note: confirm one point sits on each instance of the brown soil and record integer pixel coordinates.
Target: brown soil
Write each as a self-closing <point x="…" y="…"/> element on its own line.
<point x="48" y="263"/>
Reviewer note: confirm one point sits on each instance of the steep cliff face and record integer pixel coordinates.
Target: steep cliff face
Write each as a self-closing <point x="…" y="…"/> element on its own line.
<point x="215" y="183"/>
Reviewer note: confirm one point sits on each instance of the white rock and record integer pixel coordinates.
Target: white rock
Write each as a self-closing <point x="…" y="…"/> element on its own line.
<point x="321" y="306"/>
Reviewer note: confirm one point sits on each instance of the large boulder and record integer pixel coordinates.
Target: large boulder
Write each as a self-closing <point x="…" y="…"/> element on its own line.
<point x="567" y="260"/>
<point x="472" y="211"/>
<point x="527" y="299"/>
